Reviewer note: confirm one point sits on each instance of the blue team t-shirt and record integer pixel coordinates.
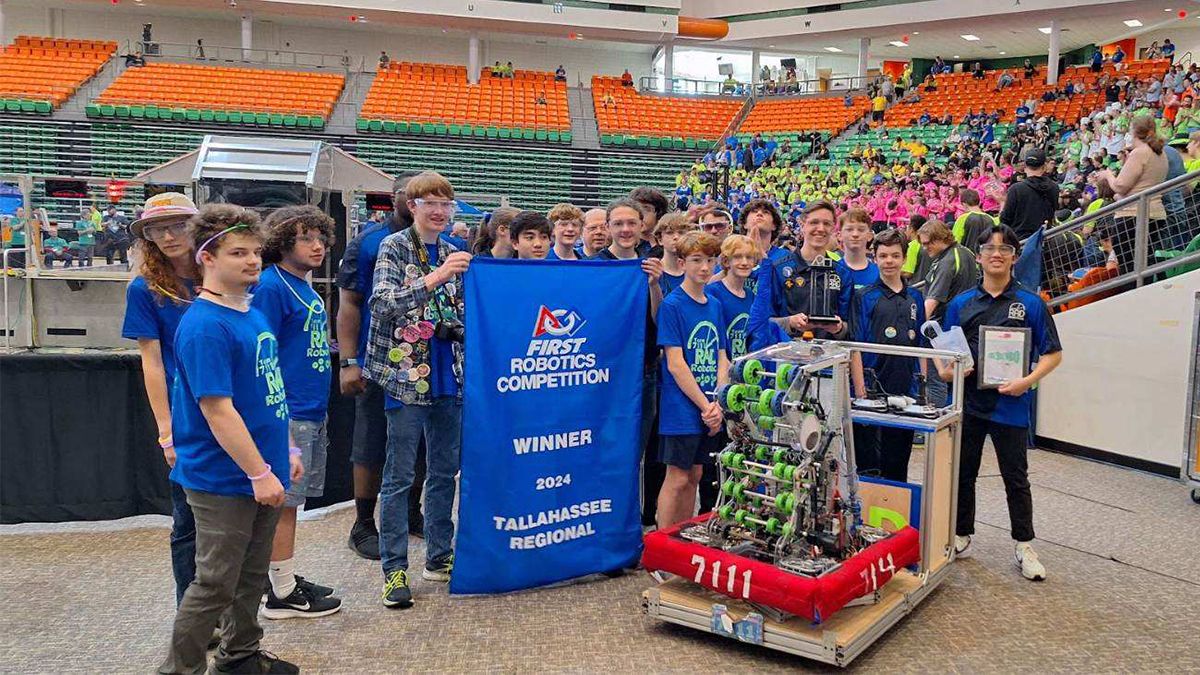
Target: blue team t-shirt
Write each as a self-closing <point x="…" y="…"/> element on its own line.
<point x="861" y="278"/>
<point x="298" y="319"/>
<point x="441" y="358"/>
<point x="223" y="352"/>
<point x="554" y="256"/>
<point x="735" y="314"/>
<point x="151" y="316"/>
<point x="696" y="328"/>
<point x="668" y="282"/>
<point x="773" y="254"/>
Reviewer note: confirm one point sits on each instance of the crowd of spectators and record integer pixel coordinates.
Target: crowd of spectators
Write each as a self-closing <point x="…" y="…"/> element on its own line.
<point x="93" y="234"/>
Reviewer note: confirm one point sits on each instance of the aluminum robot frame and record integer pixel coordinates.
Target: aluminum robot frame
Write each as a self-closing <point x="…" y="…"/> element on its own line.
<point x="815" y="580"/>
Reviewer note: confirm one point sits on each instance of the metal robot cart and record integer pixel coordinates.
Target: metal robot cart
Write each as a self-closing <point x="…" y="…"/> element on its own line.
<point x="735" y="607"/>
<point x="1190" y="472"/>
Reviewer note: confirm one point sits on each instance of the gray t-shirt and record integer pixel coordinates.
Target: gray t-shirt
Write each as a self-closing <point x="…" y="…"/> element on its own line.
<point x="951" y="273"/>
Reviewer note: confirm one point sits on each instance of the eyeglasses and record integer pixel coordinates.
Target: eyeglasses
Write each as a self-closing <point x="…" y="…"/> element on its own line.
<point x="714" y="227"/>
<point x="158" y="232"/>
<point x="991" y="249"/>
<point x="313" y="239"/>
<point x="438" y="204"/>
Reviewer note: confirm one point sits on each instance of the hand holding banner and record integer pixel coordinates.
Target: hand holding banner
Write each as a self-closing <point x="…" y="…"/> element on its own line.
<point x="552" y="407"/>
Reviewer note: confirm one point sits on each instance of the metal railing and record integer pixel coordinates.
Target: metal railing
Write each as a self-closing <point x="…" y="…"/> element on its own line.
<point x="687" y="86"/>
<point x="841" y="83"/>
<point x="1124" y="244"/>
<point x="8" y="327"/>
<point x="265" y="57"/>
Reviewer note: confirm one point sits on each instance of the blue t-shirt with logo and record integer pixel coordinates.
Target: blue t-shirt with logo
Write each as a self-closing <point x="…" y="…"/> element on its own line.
<point x="441" y="356"/>
<point x="151" y="316"/>
<point x="698" y="329"/>
<point x="735" y="314"/>
<point x="773" y="254"/>
<point x="224" y="352"/>
<point x="298" y="319"/>
<point x="861" y="279"/>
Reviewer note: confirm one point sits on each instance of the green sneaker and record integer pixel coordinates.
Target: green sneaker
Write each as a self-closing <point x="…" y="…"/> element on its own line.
<point x="439" y="570"/>
<point x="396" y="592"/>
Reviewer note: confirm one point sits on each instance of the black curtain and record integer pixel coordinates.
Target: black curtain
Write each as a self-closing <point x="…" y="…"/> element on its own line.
<point x="77" y="440"/>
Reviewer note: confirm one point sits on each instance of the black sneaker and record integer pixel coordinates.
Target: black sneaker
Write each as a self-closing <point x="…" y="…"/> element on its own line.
<point x="364" y="540"/>
<point x="439" y="570"/>
<point x="416" y="525"/>
<point x="259" y="662"/>
<point x="316" y="590"/>
<point x="396" y="592"/>
<point x="300" y="604"/>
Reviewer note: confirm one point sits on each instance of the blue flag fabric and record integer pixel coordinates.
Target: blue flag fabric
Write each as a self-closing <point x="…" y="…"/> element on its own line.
<point x="1028" y="268"/>
<point x="552" y="408"/>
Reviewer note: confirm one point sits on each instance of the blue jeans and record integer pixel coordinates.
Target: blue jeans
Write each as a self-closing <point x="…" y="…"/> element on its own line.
<point x="441" y="423"/>
<point x="183" y="541"/>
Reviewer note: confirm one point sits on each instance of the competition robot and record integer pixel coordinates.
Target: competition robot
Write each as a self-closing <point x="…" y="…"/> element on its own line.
<point x="788" y="531"/>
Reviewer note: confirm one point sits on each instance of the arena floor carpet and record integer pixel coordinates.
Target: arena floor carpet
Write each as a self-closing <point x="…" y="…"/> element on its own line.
<point x="1122" y="595"/>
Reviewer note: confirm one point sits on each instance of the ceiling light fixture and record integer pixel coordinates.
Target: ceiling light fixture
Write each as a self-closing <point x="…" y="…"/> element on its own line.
<point x="916" y="32"/>
<point x="970" y="38"/>
<point x="1045" y="30"/>
<point x="1133" y="23"/>
<point x="956" y="56"/>
<point x="1003" y="53"/>
<point x="835" y="50"/>
<point x="897" y="43"/>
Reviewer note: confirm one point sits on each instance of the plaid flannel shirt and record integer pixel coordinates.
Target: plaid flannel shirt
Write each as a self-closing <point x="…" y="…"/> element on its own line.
<point x="398" y="301"/>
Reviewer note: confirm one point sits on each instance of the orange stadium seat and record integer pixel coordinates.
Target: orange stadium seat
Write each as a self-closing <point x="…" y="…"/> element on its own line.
<point x="646" y="121"/>
<point x="827" y="114"/>
<point x="959" y="93"/>
<point x="37" y="73"/>
<point x="222" y="94"/>
<point x="430" y="98"/>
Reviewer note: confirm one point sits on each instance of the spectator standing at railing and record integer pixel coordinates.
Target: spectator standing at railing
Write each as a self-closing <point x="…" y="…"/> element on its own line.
<point x="1031" y="203"/>
<point x="1176" y="235"/>
<point x="560" y="74"/>
<point x="200" y="48"/>
<point x="115" y="242"/>
<point x="1168" y="50"/>
<point x="385" y="61"/>
<point x="1118" y="59"/>
<point x="626" y="78"/>
<point x="84" y="247"/>
<point x="1145" y="167"/>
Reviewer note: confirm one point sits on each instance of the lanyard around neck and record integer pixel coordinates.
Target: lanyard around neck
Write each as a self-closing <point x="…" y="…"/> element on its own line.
<point x="315" y="307"/>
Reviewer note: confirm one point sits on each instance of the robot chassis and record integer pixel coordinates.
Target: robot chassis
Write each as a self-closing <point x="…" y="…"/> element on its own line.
<point x="788" y="483"/>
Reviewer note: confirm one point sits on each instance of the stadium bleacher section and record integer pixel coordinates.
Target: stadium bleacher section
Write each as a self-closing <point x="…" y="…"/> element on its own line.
<point x="437" y="100"/>
<point x="38" y="74"/>
<point x="627" y="117"/>
<point x="183" y="92"/>
<point x="786" y="118"/>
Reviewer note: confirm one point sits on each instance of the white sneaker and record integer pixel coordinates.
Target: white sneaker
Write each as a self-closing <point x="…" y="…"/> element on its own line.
<point x="1027" y="560"/>
<point x="961" y="546"/>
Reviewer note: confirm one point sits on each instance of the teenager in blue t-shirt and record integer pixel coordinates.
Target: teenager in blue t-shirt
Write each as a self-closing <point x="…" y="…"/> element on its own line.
<point x="855" y="236"/>
<point x="670" y="229"/>
<point x="567" y="223"/>
<point x="692" y="334"/>
<point x="154" y="303"/>
<point x="297" y="240"/>
<point x="231" y="446"/>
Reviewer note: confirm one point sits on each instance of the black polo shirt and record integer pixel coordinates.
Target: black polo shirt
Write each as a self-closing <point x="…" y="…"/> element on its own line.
<point x="1015" y="307"/>
<point x="883" y="316"/>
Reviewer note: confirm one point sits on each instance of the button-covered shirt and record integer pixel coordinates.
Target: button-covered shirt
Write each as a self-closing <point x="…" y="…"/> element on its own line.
<point x="1015" y="307"/>
<point x="785" y="287"/>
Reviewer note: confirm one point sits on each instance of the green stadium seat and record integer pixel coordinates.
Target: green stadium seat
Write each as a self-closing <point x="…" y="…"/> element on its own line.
<point x="415" y="128"/>
<point x="552" y="136"/>
<point x="528" y="134"/>
<point x="361" y="125"/>
<point x="235" y="117"/>
<point x="221" y="116"/>
<point x="402" y="127"/>
<point x="375" y="126"/>
<point x="689" y="143"/>
<point x="606" y="139"/>
<point x="189" y="114"/>
<point x="454" y="129"/>
<point x="389" y="126"/>
<point x="262" y="119"/>
<point x="289" y="121"/>
<point x="151" y="112"/>
<point x="642" y="142"/>
<point x="492" y="132"/>
<point x="618" y="139"/>
<point x="42" y="107"/>
<point x="540" y="135"/>
<point x="428" y="128"/>
<point x="566" y="137"/>
<point x="121" y="111"/>
<point x="317" y="122"/>
<point x="207" y="116"/>
<point x="276" y="119"/>
<point x="505" y="132"/>
<point x="91" y="110"/>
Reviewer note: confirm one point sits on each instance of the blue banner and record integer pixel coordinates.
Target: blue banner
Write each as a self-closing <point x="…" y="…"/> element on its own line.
<point x="550" y="456"/>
